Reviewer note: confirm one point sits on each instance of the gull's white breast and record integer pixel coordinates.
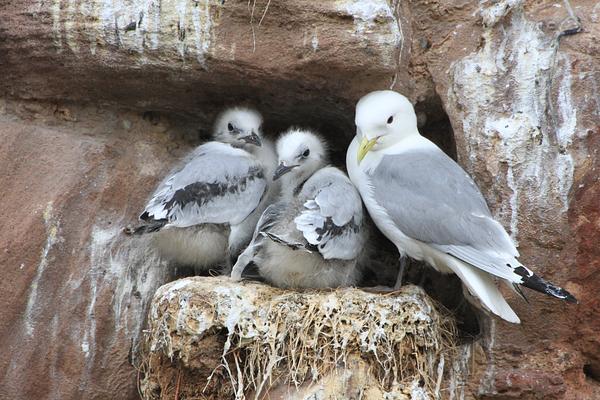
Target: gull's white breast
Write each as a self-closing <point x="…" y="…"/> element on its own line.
<point x="359" y="175"/>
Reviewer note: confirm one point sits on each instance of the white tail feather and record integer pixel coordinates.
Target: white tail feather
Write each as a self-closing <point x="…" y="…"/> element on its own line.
<point x="483" y="287"/>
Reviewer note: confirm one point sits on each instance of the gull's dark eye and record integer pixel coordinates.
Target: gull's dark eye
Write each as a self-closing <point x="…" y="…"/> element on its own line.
<point x="306" y="153"/>
<point x="230" y="127"/>
<point x="390" y="119"/>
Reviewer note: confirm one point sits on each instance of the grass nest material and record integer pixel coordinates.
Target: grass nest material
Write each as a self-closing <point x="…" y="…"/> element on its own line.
<point x="232" y="340"/>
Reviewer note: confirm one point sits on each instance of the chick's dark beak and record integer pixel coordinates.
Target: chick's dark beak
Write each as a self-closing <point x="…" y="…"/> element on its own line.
<point x="252" y="139"/>
<point x="281" y="170"/>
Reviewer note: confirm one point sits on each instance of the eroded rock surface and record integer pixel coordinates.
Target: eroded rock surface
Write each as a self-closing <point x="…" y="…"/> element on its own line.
<point x="101" y="98"/>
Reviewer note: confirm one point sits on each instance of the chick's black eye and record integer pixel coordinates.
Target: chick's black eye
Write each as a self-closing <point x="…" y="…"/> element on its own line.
<point x="390" y="119"/>
<point x="306" y="153"/>
<point x="230" y="127"/>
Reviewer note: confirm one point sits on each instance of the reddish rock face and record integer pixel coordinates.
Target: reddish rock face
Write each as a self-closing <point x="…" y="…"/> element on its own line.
<point x="521" y="99"/>
<point x="517" y="88"/>
<point x="584" y="219"/>
<point x="74" y="289"/>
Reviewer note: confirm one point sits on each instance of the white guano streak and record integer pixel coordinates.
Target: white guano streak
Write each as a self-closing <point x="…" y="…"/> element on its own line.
<point x="132" y="271"/>
<point x="56" y="34"/>
<point x="202" y="30"/>
<point x="71" y="17"/>
<point x="566" y="131"/>
<point x="487" y="384"/>
<point x="134" y="25"/>
<point x="315" y="40"/>
<point x="52" y="237"/>
<point x="181" y="24"/>
<point x="503" y="90"/>
<point x="459" y="372"/>
<point x="367" y="15"/>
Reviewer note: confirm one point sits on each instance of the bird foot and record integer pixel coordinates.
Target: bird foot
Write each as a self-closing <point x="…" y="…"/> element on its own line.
<point x="379" y="289"/>
<point x="129" y="230"/>
<point x="401" y="270"/>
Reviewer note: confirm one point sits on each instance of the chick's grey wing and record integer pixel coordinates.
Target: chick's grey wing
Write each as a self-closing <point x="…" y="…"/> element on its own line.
<point x="219" y="185"/>
<point x="332" y="215"/>
<point x="274" y="225"/>
<point x="431" y="199"/>
<point x="269" y="218"/>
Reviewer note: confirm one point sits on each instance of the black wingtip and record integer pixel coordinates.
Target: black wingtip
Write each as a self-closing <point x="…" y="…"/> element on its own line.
<point x="138" y="230"/>
<point x="520" y="292"/>
<point x="153" y="226"/>
<point x="570" y="298"/>
<point x="540" y="285"/>
<point x="560" y="293"/>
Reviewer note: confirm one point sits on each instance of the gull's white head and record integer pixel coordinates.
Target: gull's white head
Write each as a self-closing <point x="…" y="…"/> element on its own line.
<point x="301" y="153"/>
<point x="239" y="127"/>
<point x="382" y="119"/>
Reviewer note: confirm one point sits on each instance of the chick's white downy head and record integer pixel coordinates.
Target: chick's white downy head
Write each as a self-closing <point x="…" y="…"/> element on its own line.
<point x="300" y="154"/>
<point x="382" y="119"/>
<point x="239" y="127"/>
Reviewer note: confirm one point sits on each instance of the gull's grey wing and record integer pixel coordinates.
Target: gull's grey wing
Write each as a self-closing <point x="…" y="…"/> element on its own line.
<point x="219" y="184"/>
<point x="432" y="199"/>
<point x="332" y="214"/>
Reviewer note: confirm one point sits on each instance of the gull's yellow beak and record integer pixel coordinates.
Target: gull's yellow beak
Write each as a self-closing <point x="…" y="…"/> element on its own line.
<point x="365" y="146"/>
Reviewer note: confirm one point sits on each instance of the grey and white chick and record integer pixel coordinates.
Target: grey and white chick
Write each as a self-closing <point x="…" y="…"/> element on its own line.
<point x="205" y="212"/>
<point x="312" y="237"/>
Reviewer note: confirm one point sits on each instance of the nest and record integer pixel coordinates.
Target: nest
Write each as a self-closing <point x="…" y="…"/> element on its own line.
<point x="214" y="338"/>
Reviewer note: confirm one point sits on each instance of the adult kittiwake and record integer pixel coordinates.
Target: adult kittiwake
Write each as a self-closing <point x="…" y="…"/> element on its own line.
<point x="429" y="207"/>
<point x="206" y="211"/>
<point x="312" y="237"/>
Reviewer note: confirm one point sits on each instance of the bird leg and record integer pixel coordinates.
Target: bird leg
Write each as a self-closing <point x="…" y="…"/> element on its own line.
<point x="242" y="262"/>
<point x="233" y="253"/>
<point x="229" y="262"/>
<point x="422" y="276"/>
<point x="403" y="261"/>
